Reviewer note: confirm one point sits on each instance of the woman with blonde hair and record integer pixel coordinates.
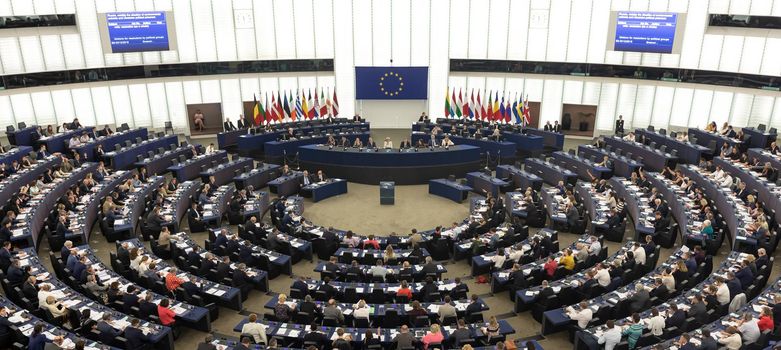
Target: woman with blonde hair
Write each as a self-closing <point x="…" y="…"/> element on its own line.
<point x="282" y="310"/>
<point x="492" y="330"/>
<point x="389" y="254"/>
<point x="434" y="336"/>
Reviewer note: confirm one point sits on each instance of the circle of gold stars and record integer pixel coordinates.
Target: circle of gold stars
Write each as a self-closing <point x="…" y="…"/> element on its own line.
<point x="391" y="75"/>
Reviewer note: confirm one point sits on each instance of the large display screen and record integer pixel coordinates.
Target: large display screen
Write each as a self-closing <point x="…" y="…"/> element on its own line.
<point x="640" y="31"/>
<point x="137" y="31"/>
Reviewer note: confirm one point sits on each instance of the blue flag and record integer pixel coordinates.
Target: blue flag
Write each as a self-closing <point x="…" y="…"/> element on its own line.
<point x="391" y="83"/>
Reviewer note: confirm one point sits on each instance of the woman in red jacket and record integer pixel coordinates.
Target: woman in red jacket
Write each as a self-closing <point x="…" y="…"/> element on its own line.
<point x="167" y="316"/>
<point x="765" y="320"/>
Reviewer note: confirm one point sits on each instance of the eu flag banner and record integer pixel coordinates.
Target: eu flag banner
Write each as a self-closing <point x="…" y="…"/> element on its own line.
<point x="391" y="83"/>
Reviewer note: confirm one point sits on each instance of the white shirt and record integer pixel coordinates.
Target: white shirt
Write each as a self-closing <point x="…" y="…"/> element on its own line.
<point x="135" y="262"/>
<point x="639" y="255"/>
<point x="603" y="277"/>
<point x="722" y="294"/>
<point x="669" y="282"/>
<point x="732" y="342"/>
<point x="595" y="248"/>
<point x="361" y="312"/>
<point x="582" y="316"/>
<point x="750" y="331"/>
<point x="256" y="330"/>
<point x="387" y="144"/>
<point x="209" y="149"/>
<point x="498" y="260"/>
<point x="515" y="255"/>
<point x="656" y="325"/>
<point x="42" y="295"/>
<point x="610" y="338"/>
<point x="727" y="182"/>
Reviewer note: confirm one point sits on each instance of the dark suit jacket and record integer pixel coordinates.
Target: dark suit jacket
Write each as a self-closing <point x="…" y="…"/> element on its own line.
<point x="638" y="300"/>
<point x="228" y="126"/>
<point x="135" y="337"/>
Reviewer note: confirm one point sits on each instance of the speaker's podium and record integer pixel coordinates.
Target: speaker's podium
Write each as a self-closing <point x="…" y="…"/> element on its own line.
<point x="387" y="192"/>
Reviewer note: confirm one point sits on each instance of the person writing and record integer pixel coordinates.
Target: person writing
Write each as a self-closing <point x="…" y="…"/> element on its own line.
<point x="387" y="143"/>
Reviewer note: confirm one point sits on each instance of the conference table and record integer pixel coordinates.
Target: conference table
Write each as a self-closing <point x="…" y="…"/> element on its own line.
<point x="253" y="145"/>
<point x="191" y="168"/>
<point x="622" y="166"/>
<point x="256" y="205"/>
<point x="687" y="152"/>
<point x="15" y="155"/>
<point x="294" y="332"/>
<point x="764" y="156"/>
<point x="286" y="185"/>
<point x="483" y="263"/>
<point x="483" y="183"/>
<point x="732" y="209"/>
<point x="588" y="339"/>
<point x="528" y="145"/>
<point x="196" y="317"/>
<point x="127" y="156"/>
<point x="759" y="138"/>
<point x="160" y="162"/>
<point x="257" y="177"/>
<point x="130" y="214"/>
<point x="552" y="140"/>
<point x="217" y="204"/>
<point x="652" y="158"/>
<point x="613" y="301"/>
<point x="89" y="214"/>
<point x="160" y="336"/>
<point x="11" y="185"/>
<point x="59" y="142"/>
<point x="596" y="206"/>
<point x="452" y="190"/>
<point x="704" y="138"/>
<point x="87" y="150"/>
<point x="324" y="189"/>
<point x="229" y="139"/>
<point x="223" y="295"/>
<point x="551" y="173"/>
<point x="529" y="266"/>
<point x="767" y="192"/>
<point x="637" y="205"/>
<point x="520" y="178"/>
<point x="393" y="271"/>
<point x="490" y="148"/>
<point x="22" y="137"/>
<point x="583" y="167"/>
<point x="224" y="172"/>
<point x="277" y="260"/>
<point x="183" y="245"/>
<point x="404" y="167"/>
<point x="276" y="151"/>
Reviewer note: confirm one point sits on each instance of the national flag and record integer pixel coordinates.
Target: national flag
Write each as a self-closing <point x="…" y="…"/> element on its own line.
<point x="497" y="114"/>
<point x="502" y="111"/>
<point x="285" y="108"/>
<point x="324" y="106"/>
<point x="299" y="108"/>
<point x="479" y="111"/>
<point x="279" y="112"/>
<point x="515" y="111"/>
<point x="508" y="114"/>
<point x="256" y="110"/>
<point x="316" y="106"/>
<point x="457" y="106"/>
<point x="464" y="105"/>
<point x="489" y="111"/>
<point x="335" y="105"/>
<point x="447" y="102"/>
<point x="472" y="104"/>
<point x="304" y="105"/>
<point x="267" y="108"/>
<point x="453" y="103"/>
<point x="527" y="118"/>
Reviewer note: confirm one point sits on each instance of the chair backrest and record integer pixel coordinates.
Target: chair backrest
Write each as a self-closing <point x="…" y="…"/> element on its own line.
<point x="772" y="131"/>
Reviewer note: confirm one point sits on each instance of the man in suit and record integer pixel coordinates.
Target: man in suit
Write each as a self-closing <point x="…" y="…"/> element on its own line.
<point x="675" y="317"/>
<point x="228" y="125"/>
<point x="130" y="299"/>
<point x="638" y="300"/>
<point x="42" y="153"/>
<point x="620" y="125"/>
<point x="474" y="306"/>
<point x="29" y="290"/>
<point x="548" y="126"/>
<point x="300" y="284"/>
<point x="446" y="310"/>
<point x="330" y="291"/>
<point x="223" y="268"/>
<point x="80" y="266"/>
<point x="430" y="266"/>
<point x="660" y="290"/>
<point x="135" y="337"/>
<point x="146" y="306"/>
<point x="320" y="176"/>
<point x="357" y="118"/>
<point x="123" y="253"/>
<point x="405" y="144"/>
<point x="5" y="256"/>
<point x="745" y="275"/>
<point x="613" y="221"/>
<point x="698" y="310"/>
<point x="661" y="223"/>
<point x="572" y="215"/>
<point x="331" y="311"/>
<point x="556" y="126"/>
<point x="313" y="336"/>
<point x="683" y="342"/>
<point x="241" y="123"/>
<point x="107" y="332"/>
<point x="155" y="220"/>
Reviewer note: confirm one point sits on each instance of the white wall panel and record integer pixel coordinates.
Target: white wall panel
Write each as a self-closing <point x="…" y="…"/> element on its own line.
<point x="265" y="29"/>
<point x="577" y="40"/>
<point x="606" y="112"/>
<point x="550" y="108"/>
<point x="682" y="105"/>
<point x="65" y="6"/>
<point x="750" y="58"/>
<point x="662" y="106"/>
<point x="381" y="32"/>
<point x="514" y="85"/>
<point x="305" y="29"/>
<point x="210" y="91"/>
<point x="232" y="104"/>
<point x="11" y="55"/>
<point x="761" y="110"/>
<point x="123" y="109"/>
<point x="7" y="113"/>
<point x="63" y="108"/>
<point x="711" y="52"/>
<point x="459" y="28"/>
<point x="82" y="106"/>
<point x="54" y="58"/>
<point x="87" y="17"/>
<point x="597" y="41"/>
<point x="439" y="59"/>
<point x="493" y="84"/>
<point x="401" y="31"/>
<point x="741" y="109"/>
<point x="203" y="25"/>
<point x="591" y="93"/>
<point x="23" y="106"/>
<point x="361" y="30"/>
<point x="71" y="47"/>
<point x="43" y="106"/>
<point x="573" y="92"/>
<point x="139" y="100"/>
<point x="192" y="91"/>
<point x="533" y="87"/>
<point x="22" y="7"/>
<point x="249" y="87"/>
<point x="31" y="53"/>
<point x="718" y="6"/>
<point x="158" y="104"/>
<point x="284" y="29"/>
<point x="102" y="105"/>
<point x="224" y="31"/>
<point x="478" y="29"/>
<point x="558" y="31"/>
<point x="44" y="7"/>
<point x="775" y="120"/>
<point x="324" y="28"/>
<point x="185" y="34"/>
<point x="498" y="29"/>
<point x="771" y="65"/>
<point x="421" y="34"/>
<point x="518" y="27"/>
<point x="344" y="65"/>
<point x="696" y="22"/>
<point x="644" y="104"/>
<point x="700" y="113"/>
<point x="721" y="107"/>
<point x="177" y="110"/>
<point x="731" y="51"/>
<point x="761" y="7"/>
<point x="737" y="7"/>
<point x="625" y="103"/>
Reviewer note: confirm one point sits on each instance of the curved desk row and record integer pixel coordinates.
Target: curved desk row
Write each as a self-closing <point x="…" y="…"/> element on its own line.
<point x="622" y="166"/>
<point x="488" y="147"/>
<point x="127" y="156"/>
<point x="687" y="152"/>
<point x="15" y="155"/>
<point x="254" y="144"/>
<point x="229" y="139"/>
<point x="192" y="168"/>
<point x="109" y="143"/>
<point x="159" y="163"/>
<point x="405" y="167"/>
<point x="59" y="142"/>
<point x="275" y="151"/>
<point x="768" y="192"/>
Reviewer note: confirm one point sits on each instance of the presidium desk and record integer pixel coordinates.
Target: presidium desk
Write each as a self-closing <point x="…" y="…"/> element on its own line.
<point x="405" y="167"/>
